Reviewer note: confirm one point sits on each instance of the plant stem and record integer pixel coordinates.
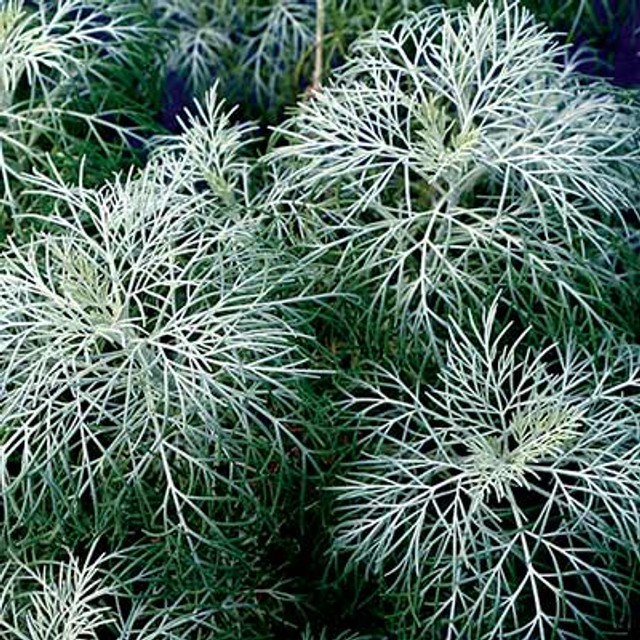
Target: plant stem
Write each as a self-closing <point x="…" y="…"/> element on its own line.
<point x="316" y="82"/>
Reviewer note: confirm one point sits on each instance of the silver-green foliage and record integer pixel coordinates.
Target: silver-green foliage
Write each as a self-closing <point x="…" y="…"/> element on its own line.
<point x="100" y="596"/>
<point x="261" y="50"/>
<point x="325" y="635"/>
<point x="253" y="47"/>
<point x="62" y="600"/>
<point x="282" y="37"/>
<point x="455" y="155"/>
<point x="502" y="500"/>
<point x="206" y="159"/>
<point x="56" y="56"/>
<point x="153" y="366"/>
<point x="196" y="39"/>
<point x="145" y="341"/>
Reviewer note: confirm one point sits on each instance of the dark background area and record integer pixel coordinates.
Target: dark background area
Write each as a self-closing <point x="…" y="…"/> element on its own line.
<point x="613" y="38"/>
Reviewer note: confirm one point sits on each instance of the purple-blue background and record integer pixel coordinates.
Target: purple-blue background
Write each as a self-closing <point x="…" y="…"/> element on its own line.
<point x="615" y="42"/>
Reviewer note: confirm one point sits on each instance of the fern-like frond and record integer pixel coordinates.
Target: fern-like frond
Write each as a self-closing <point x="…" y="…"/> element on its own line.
<point x="501" y="500"/>
<point x="57" y="81"/>
<point x="461" y="157"/>
<point x="206" y="157"/>
<point x="142" y="348"/>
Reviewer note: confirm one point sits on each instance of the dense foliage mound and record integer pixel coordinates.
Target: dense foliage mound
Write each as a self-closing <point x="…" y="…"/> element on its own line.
<point x="357" y="358"/>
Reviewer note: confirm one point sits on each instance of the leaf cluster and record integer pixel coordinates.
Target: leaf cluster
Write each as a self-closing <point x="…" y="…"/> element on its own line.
<point x="65" y="78"/>
<point x="372" y="375"/>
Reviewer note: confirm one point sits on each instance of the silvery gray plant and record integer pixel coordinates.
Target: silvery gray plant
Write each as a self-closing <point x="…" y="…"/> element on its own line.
<point x="501" y="500"/>
<point x="106" y="595"/>
<point x="166" y="337"/>
<point x="146" y="340"/>
<point x="58" y="88"/>
<point x="263" y="51"/>
<point x="459" y="154"/>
